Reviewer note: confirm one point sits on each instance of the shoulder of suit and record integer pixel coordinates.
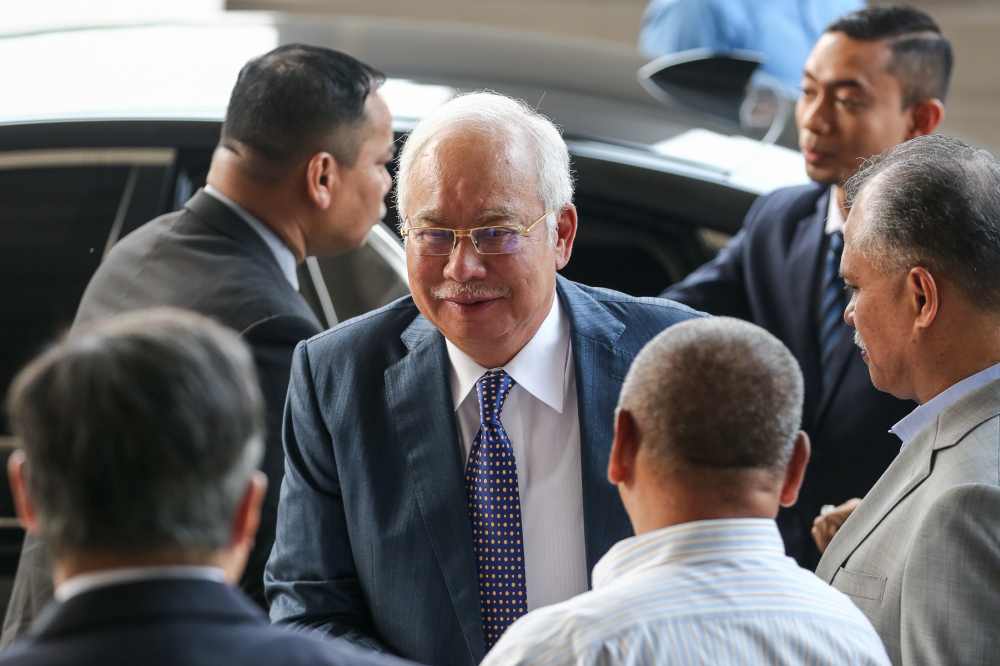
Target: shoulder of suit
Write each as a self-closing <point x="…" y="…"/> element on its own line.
<point x="386" y="322"/>
<point x="652" y="304"/>
<point x="787" y="202"/>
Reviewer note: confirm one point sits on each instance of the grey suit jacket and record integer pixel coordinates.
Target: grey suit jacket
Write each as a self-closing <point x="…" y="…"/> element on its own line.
<point x="921" y="555"/>
<point x="373" y="541"/>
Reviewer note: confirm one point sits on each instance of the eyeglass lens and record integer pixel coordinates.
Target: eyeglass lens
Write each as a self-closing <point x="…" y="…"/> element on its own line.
<point x="487" y="240"/>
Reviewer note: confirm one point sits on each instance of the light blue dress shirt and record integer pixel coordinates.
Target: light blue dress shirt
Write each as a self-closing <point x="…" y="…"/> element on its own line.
<point x="924" y="415"/>
<point x="705" y="592"/>
<point x="782" y="31"/>
<point x="282" y="253"/>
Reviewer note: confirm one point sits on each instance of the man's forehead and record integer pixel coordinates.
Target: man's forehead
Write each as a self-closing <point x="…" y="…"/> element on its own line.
<point x="838" y="58"/>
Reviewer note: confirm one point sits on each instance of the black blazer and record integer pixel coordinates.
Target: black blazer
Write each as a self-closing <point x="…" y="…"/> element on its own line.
<point x="770" y="274"/>
<point x="202" y="258"/>
<point x="172" y="622"/>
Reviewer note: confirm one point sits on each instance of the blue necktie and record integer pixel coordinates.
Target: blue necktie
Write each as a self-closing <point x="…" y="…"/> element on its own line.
<point x="831" y="313"/>
<point x="495" y="512"/>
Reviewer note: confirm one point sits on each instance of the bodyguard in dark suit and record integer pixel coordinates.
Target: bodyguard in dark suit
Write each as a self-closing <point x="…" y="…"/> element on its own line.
<point x="446" y="454"/>
<point x="143" y="541"/>
<point x="876" y="77"/>
<point x="299" y="170"/>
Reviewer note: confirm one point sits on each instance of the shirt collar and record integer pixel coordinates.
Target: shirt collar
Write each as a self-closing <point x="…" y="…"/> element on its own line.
<point x="690" y="542"/>
<point x="834" y="216"/>
<point x="924" y="415"/>
<point x="90" y="581"/>
<point x="282" y="254"/>
<point x="540" y="367"/>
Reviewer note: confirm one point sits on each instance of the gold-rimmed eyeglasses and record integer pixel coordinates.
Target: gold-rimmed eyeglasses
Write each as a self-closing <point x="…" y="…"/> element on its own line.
<point x="441" y="241"/>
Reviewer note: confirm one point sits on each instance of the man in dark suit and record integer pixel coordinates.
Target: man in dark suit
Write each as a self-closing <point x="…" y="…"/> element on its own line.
<point x="446" y="454"/>
<point x="143" y="541"/>
<point x="876" y="78"/>
<point x="300" y="170"/>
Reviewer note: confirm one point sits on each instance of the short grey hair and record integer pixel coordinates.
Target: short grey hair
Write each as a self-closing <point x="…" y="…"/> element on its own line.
<point x="716" y="393"/>
<point x="933" y="201"/>
<point x="496" y="114"/>
<point x="140" y="434"/>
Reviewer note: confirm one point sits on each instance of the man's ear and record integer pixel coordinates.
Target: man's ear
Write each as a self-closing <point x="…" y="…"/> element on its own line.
<point x="17" y="473"/>
<point x="925" y="117"/>
<point x="565" y="234"/>
<point x="322" y="179"/>
<point x="795" y="471"/>
<point x="923" y="294"/>
<point x="246" y="520"/>
<point x="624" y="448"/>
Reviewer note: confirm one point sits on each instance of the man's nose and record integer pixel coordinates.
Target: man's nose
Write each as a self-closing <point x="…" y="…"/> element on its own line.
<point x="814" y="115"/>
<point x="464" y="263"/>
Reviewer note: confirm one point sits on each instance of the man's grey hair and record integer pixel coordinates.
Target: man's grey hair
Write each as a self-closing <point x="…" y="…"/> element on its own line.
<point x="496" y="114"/>
<point x="933" y="201"/>
<point x="140" y="434"/>
<point x="716" y="393"/>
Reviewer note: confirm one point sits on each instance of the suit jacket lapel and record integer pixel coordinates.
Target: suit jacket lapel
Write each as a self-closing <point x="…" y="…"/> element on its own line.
<point x="805" y="269"/>
<point x="420" y="405"/>
<point x="600" y="370"/>
<point x="909" y="470"/>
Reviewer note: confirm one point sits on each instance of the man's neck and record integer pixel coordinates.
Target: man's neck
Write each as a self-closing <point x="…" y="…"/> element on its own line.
<point x="72" y="565"/>
<point x="269" y="203"/>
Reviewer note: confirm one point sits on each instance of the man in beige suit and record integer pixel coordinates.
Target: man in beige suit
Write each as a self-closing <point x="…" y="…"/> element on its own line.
<point x="921" y="554"/>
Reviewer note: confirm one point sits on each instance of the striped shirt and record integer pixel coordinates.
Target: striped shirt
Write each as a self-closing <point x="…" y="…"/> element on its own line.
<point x="705" y="592"/>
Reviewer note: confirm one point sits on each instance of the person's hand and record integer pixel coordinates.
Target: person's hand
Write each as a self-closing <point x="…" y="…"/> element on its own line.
<point x="829" y="521"/>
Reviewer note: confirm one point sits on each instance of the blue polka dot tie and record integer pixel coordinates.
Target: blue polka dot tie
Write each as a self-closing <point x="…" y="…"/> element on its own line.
<point x="495" y="512"/>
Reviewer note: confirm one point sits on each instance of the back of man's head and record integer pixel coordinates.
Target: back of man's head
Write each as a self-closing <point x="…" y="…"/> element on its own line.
<point x="715" y="396"/>
<point x="140" y="436"/>
<point x="921" y="56"/>
<point x="297" y="100"/>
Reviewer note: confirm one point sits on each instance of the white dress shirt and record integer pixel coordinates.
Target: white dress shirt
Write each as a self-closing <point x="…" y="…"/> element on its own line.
<point x="834" y="217"/>
<point x="282" y="253"/>
<point x="92" y="581"/>
<point x="704" y="592"/>
<point x="540" y="416"/>
<point x="924" y="415"/>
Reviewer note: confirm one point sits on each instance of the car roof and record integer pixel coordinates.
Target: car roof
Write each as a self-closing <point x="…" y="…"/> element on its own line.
<point x="185" y="70"/>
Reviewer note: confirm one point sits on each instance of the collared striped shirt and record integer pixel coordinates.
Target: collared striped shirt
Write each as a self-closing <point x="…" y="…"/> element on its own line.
<point x="705" y="592"/>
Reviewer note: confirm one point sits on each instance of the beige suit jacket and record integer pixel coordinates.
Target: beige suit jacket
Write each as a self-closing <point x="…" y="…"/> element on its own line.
<point x="920" y="556"/>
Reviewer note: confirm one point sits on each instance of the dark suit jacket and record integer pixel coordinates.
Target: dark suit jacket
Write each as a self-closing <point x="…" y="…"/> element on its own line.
<point x="374" y="541"/>
<point x="173" y="623"/>
<point x="202" y="258"/>
<point x="770" y="274"/>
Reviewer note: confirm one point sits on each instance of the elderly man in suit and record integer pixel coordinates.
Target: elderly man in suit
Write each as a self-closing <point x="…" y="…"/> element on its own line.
<point x="876" y="78"/>
<point x="446" y="454"/>
<point x="143" y="541"/>
<point x="300" y="170"/>
<point x="921" y="553"/>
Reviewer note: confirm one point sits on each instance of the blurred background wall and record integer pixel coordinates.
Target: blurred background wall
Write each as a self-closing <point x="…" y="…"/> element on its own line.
<point x="972" y="25"/>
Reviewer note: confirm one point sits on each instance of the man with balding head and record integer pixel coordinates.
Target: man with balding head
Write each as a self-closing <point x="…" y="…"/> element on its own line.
<point x="446" y="454"/>
<point x="921" y="553"/>
<point x="706" y="448"/>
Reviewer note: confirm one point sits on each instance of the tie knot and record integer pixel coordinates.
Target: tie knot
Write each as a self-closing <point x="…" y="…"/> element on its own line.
<point x="491" y="390"/>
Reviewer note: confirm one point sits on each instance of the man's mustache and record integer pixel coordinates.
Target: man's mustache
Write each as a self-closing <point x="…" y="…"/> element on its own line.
<point x="480" y="290"/>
